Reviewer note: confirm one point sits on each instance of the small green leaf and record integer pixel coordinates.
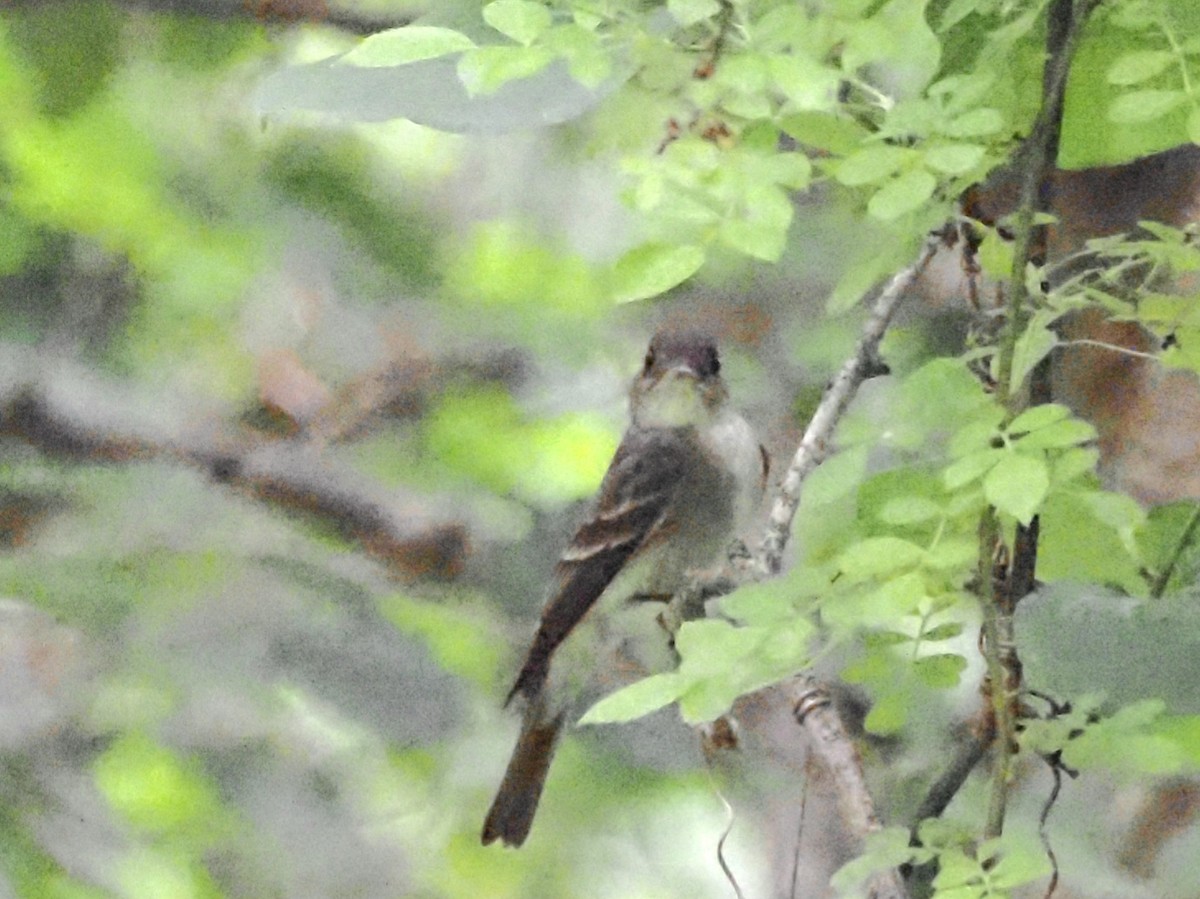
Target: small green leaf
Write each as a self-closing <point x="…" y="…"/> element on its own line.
<point x="1017" y="485"/>
<point x="412" y="43"/>
<point x="808" y="85"/>
<point x="1144" y="106"/>
<point x="1138" y="66"/>
<point x="1075" y="462"/>
<point x="877" y="556"/>
<point x="902" y="195"/>
<point x="1060" y="435"/>
<point x="976" y="123"/>
<point x="971" y="467"/>
<point x="947" y="631"/>
<point x="872" y="164"/>
<point x="954" y="159"/>
<point x="485" y="70"/>
<point x="1033" y="345"/>
<point x="941" y="670"/>
<point x="824" y="131"/>
<point x="836" y="477"/>
<point x="654" y="268"/>
<point x="1038" y="417"/>
<point x="909" y="510"/>
<point x="996" y="256"/>
<point x="636" y="700"/>
<point x="888" y="714"/>
<point x="521" y="20"/>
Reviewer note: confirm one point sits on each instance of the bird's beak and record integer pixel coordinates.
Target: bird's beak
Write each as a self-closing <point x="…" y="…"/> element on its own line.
<point x="682" y="370"/>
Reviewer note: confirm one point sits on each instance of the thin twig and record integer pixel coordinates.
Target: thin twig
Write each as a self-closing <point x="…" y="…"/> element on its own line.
<point x="1123" y="350"/>
<point x="814" y="444"/>
<point x="1181" y="546"/>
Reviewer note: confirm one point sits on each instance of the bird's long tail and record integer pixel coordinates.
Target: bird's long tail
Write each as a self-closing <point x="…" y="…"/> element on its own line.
<point x="512" y="811"/>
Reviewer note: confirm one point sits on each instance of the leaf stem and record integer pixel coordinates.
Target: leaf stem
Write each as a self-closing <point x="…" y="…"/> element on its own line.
<point x="1181" y="546"/>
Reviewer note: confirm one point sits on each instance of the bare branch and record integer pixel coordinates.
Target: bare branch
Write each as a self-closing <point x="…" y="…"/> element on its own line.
<point x="829" y="742"/>
<point x="814" y="445"/>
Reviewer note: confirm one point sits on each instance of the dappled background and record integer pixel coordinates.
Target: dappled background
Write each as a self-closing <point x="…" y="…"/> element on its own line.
<point x="297" y="409"/>
<point x="299" y="398"/>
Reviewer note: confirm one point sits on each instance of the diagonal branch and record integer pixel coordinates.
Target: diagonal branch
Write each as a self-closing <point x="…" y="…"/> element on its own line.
<point x="814" y="445"/>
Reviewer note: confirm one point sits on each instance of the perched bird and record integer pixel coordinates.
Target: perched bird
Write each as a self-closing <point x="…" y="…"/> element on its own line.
<point x="685" y="479"/>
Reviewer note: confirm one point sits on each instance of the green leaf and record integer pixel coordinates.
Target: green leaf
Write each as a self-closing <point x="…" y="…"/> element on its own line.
<point x="909" y="510"/>
<point x="636" y="700"/>
<point x="485" y="70"/>
<point x="904" y="194"/>
<point x="1017" y="485"/>
<point x="976" y="123"/>
<point x="521" y="20"/>
<point x="947" y="631"/>
<point x="1038" y="417"/>
<point x="398" y="46"/>
<point x="1033" y="345"/>
<point x="1138" y="66"/>
<point x="689" y="12"/>
<point x="942" y="670"/>
<point x="889" y="713"/>
<point x="1144" y="106"/>
<point x="1060" y="435"/>
<point x="834" y="134"/>
<point x="762" y="231"/>
<point x="837" y="476"/>
<point x="971" y="467"/>
<point x="654" y="268"/>
<point x="954" y="159"/>
<point x="878" y="556"/>
<point x="807" y="85"/>
<point x="763" y="603"/>
<point x="872" y="164"/>
<point x="996" y="256"/>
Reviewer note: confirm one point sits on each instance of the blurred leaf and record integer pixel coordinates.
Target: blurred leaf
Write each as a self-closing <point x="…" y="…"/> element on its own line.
<point x="637" y="700"/>
<point x="1017" y="485"/>
<point x="74" y="46"/>
<point x="902" y="195"/>
<point x="521" y="20"/>
<point x="156" y="790"/>
<point x="485" y="70"/>
<point x="651" y="269"/>
<point x="1137" y="66"/>
<point x="410" y="43"/>
<point x="459" y="640"/>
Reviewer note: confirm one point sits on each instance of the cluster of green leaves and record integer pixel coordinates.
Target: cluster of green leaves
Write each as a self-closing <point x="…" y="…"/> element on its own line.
<point x="724" y="108"/>
<point x="1155" y="75"/>
<point x="966" y="869"/>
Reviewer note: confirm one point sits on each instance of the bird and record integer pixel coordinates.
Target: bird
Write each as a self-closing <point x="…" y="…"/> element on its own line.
<point x="687" y="476"/>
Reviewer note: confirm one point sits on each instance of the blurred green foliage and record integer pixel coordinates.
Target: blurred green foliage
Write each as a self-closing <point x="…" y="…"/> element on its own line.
<point x="268" y="379"/>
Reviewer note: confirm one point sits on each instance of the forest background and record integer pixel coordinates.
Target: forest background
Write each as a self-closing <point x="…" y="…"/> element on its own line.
<point x="316" y="323"/>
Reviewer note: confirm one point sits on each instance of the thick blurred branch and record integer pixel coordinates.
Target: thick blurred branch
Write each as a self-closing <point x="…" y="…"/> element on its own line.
<point x="292" y="474"/>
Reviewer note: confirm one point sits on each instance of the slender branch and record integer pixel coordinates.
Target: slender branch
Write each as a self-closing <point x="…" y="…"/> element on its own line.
<point x="1065" y="20"/>
<point x="814" y="445"/>
<point x="1181" y="546"/>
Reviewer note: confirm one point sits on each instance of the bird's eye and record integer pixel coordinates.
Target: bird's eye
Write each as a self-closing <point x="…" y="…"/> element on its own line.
<point x="649" y="359"/>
